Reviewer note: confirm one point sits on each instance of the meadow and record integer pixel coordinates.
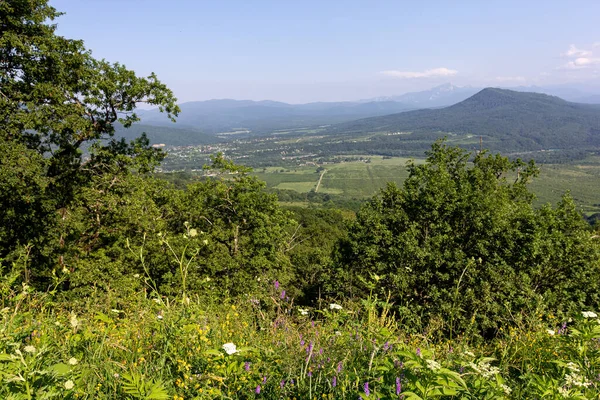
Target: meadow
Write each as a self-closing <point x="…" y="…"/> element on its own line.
<point x="152" y="347"/>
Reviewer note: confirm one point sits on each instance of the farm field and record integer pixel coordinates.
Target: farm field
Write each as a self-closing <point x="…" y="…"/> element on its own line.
<point x="360" y="179"/>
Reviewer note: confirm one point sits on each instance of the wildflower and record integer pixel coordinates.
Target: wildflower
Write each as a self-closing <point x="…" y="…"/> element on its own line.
<point x="193" y="232"/>
<point x="310" y="374"/>
<point x="398" y="386"/>
<point x="366" y="388"/>
<point x="159" y="316"/>
<point x="136" y="275"/>
<point x="432" y="365"/>
<point x="418" y="352"/>
<point x="589" y="314"/>
<point x="230" y="348"/>
<point x="205" y="242"/>
<point x="282" y="384"/>
<point x="29" y="349"/>
<point x="257" y="389"/>
<point x="334" y="381"/>
<point x="283" y="295"/>
<point x="550" y="332"/>
<point x="470" y="354"/>
<point x="73" y="361"/>
<point x="276" y="285"/>
<point x="69" y="385"/>
<point x="339" y="367"/>
<point x="247" y="366"/>
<point x="74" y="321"/>
<point x="334" y="306"/>
<point x="506" y="389"/>
<point x="303" y="311"/>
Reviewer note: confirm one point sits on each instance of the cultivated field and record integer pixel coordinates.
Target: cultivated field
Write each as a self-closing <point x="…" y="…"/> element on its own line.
<point x="360" y="179"/>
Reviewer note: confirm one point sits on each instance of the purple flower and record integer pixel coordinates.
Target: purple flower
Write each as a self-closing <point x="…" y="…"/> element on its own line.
<point x="283" y="294"/>
<point x="247" y="365"/>
<point x="257" y="389"/>
<point x="366" y="388"/>
<point x="310" y="374"/>
<point x="398" y="386"/>
<point x="264" y="380"/>
<point x="282" y="384"/>
<point x="418" y="351"/>
<point x="302" y="343"/>
<point x="334" y="381"/>
<point x="276" y="285"/>
<point x="386" y="346"/>
<point x="339" y="367"/>
<point x="321" y="351"/>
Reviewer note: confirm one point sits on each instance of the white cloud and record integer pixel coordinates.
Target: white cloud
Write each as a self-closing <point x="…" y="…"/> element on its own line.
<point x="510" y="79"/>
<point x="429" y="73"/>
<point x="583" y="62"/>
<point x="580" y="59"/>
<point x="575" y="52"/>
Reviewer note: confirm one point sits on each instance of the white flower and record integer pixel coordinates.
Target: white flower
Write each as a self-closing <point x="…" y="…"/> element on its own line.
<point x="334" y="306"/>
<point x="136" y="275"/>
<point x="303" y="311"/>
<point x="73" y="361"/>
<point x="69" y="384"/>
<point x="159" y="316"/>
<point x="550" y="332"/>
<point x="589" y="314"/>
<point x="29" y="349"/>
<point x="74" y="321"/>
<point x="432" y="365"/>
<point x="230" y="348"/>
<point x="338" y="333"/>
<point x="193" y="232"/>
<point x="506" y="389"/>
<point x="470" y="354"/>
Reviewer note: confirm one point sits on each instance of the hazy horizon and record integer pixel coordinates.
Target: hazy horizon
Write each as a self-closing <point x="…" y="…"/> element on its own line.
<point x="333" y="51"/>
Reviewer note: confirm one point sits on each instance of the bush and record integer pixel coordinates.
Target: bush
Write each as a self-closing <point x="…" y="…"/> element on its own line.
<point x="461" y="245"/>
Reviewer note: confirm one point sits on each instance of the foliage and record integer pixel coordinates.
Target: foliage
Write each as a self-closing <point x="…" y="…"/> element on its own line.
<point x="141" y="348"/>
<point x="463" y="245"/>
<point x="54" y="99"/>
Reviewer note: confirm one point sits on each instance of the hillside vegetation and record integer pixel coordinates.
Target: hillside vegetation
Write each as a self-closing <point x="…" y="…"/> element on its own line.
<point x="115" y="283"/>
<point x="508" y="120"/>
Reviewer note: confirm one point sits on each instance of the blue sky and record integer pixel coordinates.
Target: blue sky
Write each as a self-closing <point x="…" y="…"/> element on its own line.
<point x="327" y="50"/>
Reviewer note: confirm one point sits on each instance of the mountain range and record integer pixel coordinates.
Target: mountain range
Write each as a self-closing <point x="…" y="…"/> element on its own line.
<point x="226" y="116"/>
<point x="509" y="120"/>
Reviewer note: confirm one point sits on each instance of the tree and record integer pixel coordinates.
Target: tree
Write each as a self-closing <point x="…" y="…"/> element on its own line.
<point x="242" y="229"/>
<point x="54" y="99"/>
<point x="461" y="243"/>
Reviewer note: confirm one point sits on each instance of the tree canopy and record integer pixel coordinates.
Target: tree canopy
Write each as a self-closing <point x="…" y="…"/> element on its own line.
<point x="461" y="242"/>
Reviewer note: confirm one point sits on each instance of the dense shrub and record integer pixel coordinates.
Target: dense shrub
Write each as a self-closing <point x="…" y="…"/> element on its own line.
<point x="460" y="243"/>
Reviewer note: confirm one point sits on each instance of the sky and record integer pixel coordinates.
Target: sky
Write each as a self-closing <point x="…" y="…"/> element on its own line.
<point x="339" y="50"/>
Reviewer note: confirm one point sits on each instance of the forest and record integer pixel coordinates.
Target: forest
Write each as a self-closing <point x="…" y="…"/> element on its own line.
<point x="118" y="283"/>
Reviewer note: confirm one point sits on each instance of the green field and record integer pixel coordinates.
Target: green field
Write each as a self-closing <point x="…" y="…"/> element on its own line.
<point x="361" y="180"/>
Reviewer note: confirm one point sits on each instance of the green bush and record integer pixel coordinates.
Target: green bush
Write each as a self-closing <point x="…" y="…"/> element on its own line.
<point x="461" y="245"/>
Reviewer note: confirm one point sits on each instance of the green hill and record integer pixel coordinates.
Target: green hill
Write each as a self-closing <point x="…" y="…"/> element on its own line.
<point x="508" y="121"/>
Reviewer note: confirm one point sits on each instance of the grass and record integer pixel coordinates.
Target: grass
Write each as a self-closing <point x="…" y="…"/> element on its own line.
<point x="266" y="347"/>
